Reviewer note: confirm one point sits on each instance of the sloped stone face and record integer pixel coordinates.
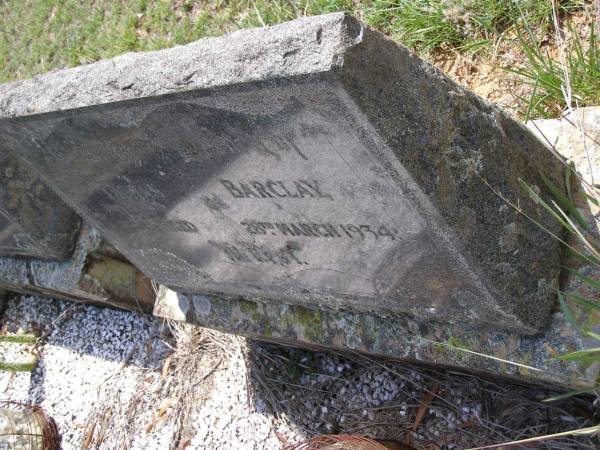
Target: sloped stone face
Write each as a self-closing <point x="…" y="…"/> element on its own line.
<point x="34" y="222"/>
<point x="339" y="172"/>
<point x="467" y="157"/>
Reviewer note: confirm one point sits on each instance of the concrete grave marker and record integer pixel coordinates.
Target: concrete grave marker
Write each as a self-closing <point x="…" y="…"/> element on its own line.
<point x="314" y="163"/>
<point x="34" y="222"/>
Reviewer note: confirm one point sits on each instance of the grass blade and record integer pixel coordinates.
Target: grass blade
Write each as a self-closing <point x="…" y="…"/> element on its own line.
<point x="589" y="355"/>
<point x="579" y="432"/>
<point x="582" y="300"/>
<point x="565" y="202"/>
<point x="570" y="394"/>
<point x="585" y="279"/>
<point x="19" y="339"/>
<point x="567" y="312"/>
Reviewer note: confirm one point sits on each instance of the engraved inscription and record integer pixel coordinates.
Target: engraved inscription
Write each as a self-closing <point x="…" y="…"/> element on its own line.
<point x="320" y="230"/>
<point x="212" y="194"/>
<point x="276" y="189"/>
<point x="181" y="226"/>
<point x="259" y="254"/>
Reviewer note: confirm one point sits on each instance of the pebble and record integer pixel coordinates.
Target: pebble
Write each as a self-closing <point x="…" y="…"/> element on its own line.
<point x="103" y="347"/>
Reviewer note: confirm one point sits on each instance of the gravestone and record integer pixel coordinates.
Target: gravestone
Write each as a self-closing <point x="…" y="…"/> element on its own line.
<point x="462" y="346"/>
<point x="315" y="163"/>
<point x="34" y="222"/>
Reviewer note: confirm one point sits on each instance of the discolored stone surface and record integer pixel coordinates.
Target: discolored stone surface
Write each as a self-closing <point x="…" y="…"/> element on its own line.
<point x="3" y="297"/>
<point x="92" y="274"/>
<point x="34" y="222"/>
<point x="315" y="163"/>
<point x="460" y="346"/>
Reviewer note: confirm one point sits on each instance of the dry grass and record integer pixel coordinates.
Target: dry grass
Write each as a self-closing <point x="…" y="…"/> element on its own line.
<point x="163" y="402"/>
<point x="165" y="399"/>
<point x="434" y="399"/>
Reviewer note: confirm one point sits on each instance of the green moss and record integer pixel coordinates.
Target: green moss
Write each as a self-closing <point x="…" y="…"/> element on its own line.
<point x="310" y="321"/>
<point x="451" y="351"/>
<point x="248" y="308"/>
<point x="367" y="329"/>
<point x="454" y="341"/>
<point x="308" y="317"/>
<point x="267" y="329"/>
<point x="288" y="319"/>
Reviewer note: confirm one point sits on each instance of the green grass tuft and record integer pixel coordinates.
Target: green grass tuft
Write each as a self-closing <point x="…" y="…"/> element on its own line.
<point x="563" y="208"/>
<point x="468" y="25"/>
<point x="549" y="77"/>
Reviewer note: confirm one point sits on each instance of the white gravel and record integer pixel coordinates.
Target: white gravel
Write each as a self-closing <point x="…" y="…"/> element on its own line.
<point x="100" y="365"/>
<point x="85" y="347"/>
<point x="98" y="358"/>
<point x="227" y="420"/>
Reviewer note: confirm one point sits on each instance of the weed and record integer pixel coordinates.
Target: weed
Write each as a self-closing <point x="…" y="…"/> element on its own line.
<point x="569" y="81"/>
<point x="550" y="77"/>
<point x="464" y="24"/>
<point x="563" y="208"/>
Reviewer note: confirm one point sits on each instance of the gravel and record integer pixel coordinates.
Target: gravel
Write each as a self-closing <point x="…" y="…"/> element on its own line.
<point x="116" y="379"/>
<point x="84" y="348"/>
<point x="227" y="420"/>
<point x="94" y="363"/>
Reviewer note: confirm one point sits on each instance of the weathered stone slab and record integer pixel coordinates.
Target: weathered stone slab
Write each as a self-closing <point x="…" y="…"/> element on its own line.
<point x="34" y="222"/>
<point x="460" y="346"/>
<point x="316" y="163"/>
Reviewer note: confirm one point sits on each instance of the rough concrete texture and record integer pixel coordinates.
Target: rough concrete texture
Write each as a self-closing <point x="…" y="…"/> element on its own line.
<point x="423" y="153"/>
<point x="577" y="136"/>
<point x="88" y="276"/>
<point x="34" y="222"/>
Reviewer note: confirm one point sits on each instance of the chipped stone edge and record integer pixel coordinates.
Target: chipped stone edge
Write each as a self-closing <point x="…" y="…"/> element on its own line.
<point x="306" y="45"/>
<point x="492" y="353"/>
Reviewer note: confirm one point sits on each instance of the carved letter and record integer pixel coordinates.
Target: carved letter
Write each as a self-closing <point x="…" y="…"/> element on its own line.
<point x="302" y="190"/>
<point x="248" y="192"/>
<point x="289" y="194"/>
<point x="261" y="189"/>
<point x="271" y="187"/>
<point x="233" y="190"/>
<point x="315" y="187"/>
